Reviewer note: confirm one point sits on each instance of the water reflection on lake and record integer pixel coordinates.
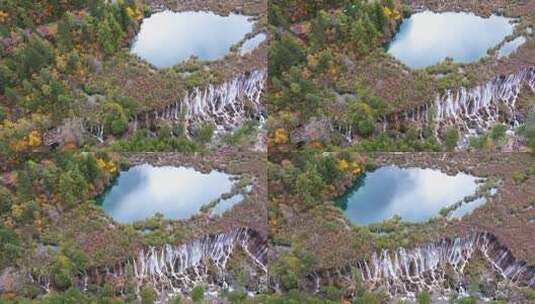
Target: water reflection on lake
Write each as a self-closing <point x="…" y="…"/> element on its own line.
<point x="414" y="194"/>
<point x="428" y="38"/>
<point x="168" y="38"/>
<point x="176" y="192"/>
<point x="511" y="46"/>
<point x="252" y="43"/>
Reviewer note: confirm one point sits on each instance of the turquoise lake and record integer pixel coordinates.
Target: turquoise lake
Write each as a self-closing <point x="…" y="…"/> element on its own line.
<point x="414" y="194"/>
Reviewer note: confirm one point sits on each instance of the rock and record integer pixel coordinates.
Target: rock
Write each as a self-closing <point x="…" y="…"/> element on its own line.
<point x="315" y="130"/>
<point x="261" y="141"/>
<point x="95" y="100"/>
<point x="130" y="83"/>
<point x="341" y="99"/>
<point x="6" y="42"/>
<point x="380" y="84"/>
<point x="45" y="32"/>
<point x="53" y="214"/>
<point x="286" y="212"/>
<point x="348" y="63"/>
<point x="95" y="64"/>
<point x="301" y="29"/>
<point x="11" y="280"/>
<point x="72" y="131"/>
<point x="9" y="179"/>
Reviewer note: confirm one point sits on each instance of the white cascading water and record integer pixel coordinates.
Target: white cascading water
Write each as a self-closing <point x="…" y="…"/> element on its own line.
<point x="171" y="270"/>
<point x="203" y="262"/>
<point x="96" y="131"/>
<point x="226" y="106"/>
<point x="433" y="267"/>
<point x="177" y="269"/>
<point x="472" y="111"/>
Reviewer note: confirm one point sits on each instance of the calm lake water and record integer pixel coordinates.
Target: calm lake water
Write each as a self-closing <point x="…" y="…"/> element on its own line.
<point x="252" y="43"/>
<point x="414" y="194"/>
<point x="176" y="192"/>
<point x="509" y="47"/>
<point x="168" y="38"/>
<point x="427" y="38"/>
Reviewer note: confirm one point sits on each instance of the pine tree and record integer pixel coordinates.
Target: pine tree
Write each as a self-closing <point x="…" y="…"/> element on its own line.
<point x="358" y="37"/>
<point x="95" y="7"/>
<point x="123" y="17"/>
<point x="36" y="54"/>
<point x="105" y="37"/>
<point x="65" y="33"/>
<point x="115" y="119"/>
<point x="72" y="186"/>
<point x="379" y="17"/>
<point x="116" y="30"/>
<point x="5" y="200"/>
<point x="10" y="247"/>
<point x="6" y="77"/>
<point x="89" y="168"/>
<point x="88" y="29"/>
<point x="284" y="54"/>
<point x="57" y="8"/>
<point x="319" y="28"/>
<point x="73" y="62"/>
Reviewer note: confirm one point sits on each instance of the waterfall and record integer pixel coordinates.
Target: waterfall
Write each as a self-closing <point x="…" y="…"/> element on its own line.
<point x="432" y="267"/>
<point x="226" y="105"/>
<point x="178" y="269"/>
<point x="472" y="111"/>
<point x="97" y="131"/>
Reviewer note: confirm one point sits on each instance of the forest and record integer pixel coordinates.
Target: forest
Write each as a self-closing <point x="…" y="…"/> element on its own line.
<point x="61" y="68"/>
<point x="294" y="125"/>
<point x="326" y="61"/>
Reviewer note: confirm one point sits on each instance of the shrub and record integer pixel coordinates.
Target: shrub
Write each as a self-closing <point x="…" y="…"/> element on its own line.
<point x="365" y="127"/>
<point x="148" y="296"/>
<point x="62" y="271"/>
<point x="497" y="133"/>
<point x="115" y="120"/>
<point x="205" y="133"/>
<point x="9" y="246"/>
<point x="519" y="177"/>
<point x="197" y="294"/>
<point x="369" y="298"/>
<point x="467" y="300"/>
<point x="6" y="200"/>
<point x="528" y="131"/>
<point x="177" y="299"/>
<point x="451" y="138"/>
<point x="424" y="297"/>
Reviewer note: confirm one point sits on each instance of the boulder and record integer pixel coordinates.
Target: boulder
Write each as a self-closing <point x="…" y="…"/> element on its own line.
<point x="72" y="131"/>
<point x="11" y="280"/>
<point x="315" y="130"/>
<point x="95" y="64"/>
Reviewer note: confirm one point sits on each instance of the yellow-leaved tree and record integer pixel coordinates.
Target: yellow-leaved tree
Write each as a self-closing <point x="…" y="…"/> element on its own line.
<point x="281" y="136"/>
<point x="34" y="139"/>
<point x="134" y="13"/>
<point x="392" y="14"/>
